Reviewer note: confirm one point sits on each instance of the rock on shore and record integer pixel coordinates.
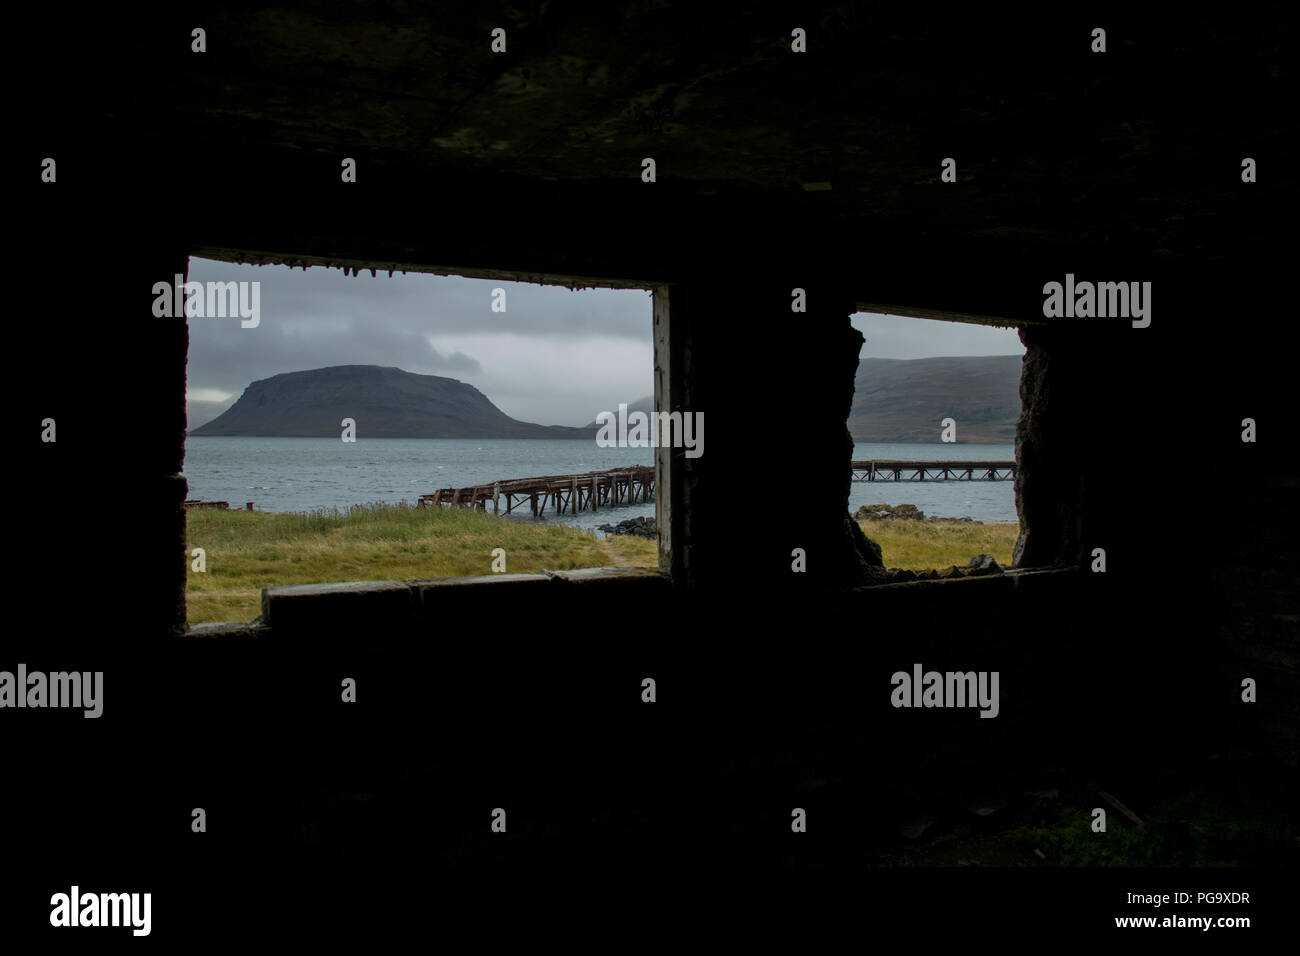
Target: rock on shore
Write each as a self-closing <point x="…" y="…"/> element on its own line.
<point x="639" y="527"/>
<point x="904" y="513"/>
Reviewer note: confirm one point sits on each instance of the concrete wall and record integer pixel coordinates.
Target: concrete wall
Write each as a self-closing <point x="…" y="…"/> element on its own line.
<point x="1130" y="442"/>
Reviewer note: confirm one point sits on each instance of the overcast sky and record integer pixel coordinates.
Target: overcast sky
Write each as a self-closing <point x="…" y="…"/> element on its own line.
<point x="904" y="337"/>
<point x="554" y="357"/>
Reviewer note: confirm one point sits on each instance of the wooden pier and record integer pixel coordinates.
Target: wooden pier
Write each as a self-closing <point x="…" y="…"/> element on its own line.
<point x="192" y="504"/>
<point x="566" y="494"/>
<point x="934" y="470"/>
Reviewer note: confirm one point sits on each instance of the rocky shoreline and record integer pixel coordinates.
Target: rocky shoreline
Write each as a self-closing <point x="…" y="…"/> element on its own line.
<point x="637" y="527"/>
<point x="884" y="512"/>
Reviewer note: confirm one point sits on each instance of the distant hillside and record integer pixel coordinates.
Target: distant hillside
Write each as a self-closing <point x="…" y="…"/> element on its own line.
<point x="385" y="402"/>
<point x="904" y="400"/>
<point x="199" y="413"/>
<point x="646" y="404"/>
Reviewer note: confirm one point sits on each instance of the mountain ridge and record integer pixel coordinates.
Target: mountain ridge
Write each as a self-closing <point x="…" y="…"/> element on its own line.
<point x="894" y="400"/>
<point x="385" y="402"/>
<point x="906" y="400"/>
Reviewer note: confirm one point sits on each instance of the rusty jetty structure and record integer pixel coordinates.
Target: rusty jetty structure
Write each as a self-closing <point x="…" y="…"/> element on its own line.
<point x="934" y="470"/>
<point x="567" y="493"/>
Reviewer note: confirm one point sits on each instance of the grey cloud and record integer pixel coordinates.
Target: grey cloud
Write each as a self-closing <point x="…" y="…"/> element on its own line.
<point x="537" y="347"/>
<point x="904" y="337"/>
<point x="450" y="304"/>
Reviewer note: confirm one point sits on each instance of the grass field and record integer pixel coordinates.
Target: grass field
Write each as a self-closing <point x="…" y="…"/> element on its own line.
<point x="921" y="545"/>
<point x="246" y="551"/>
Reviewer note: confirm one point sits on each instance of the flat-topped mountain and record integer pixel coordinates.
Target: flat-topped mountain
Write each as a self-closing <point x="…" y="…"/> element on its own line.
<point x="905" y="400"/>
<point x="385" y="402"/>
<point x="895" y="400"/>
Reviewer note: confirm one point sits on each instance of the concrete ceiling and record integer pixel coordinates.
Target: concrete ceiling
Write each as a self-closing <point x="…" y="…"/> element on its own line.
<point x="1053" y="142"/>
<point x="1064" y="156"/>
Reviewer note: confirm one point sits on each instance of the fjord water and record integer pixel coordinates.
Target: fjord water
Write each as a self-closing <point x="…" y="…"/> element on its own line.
<point x="305" y="474"/>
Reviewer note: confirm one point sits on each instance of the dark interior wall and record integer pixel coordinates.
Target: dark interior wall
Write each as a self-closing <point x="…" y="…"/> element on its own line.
<point x="110" y="487"/>
<point x="1131" y="443"/>
<point x="778" y="384"/>
<point x="1196" y="588"/>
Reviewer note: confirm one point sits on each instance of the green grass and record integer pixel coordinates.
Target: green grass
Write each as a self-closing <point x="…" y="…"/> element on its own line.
<point x="1195" y="829"/>
<point x="922" y="545"/>
<point x="247" y="551"/>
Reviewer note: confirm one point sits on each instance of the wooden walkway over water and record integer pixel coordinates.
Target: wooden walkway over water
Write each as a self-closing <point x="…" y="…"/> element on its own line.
<point x="566" y="494"/>
<point x="593" y="490"/>
<point x="934" y="470"/>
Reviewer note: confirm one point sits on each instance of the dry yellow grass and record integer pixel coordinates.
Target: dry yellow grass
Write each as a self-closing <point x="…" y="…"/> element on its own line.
<point x="247" y="551"/>
<point x="922" y="545"/>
